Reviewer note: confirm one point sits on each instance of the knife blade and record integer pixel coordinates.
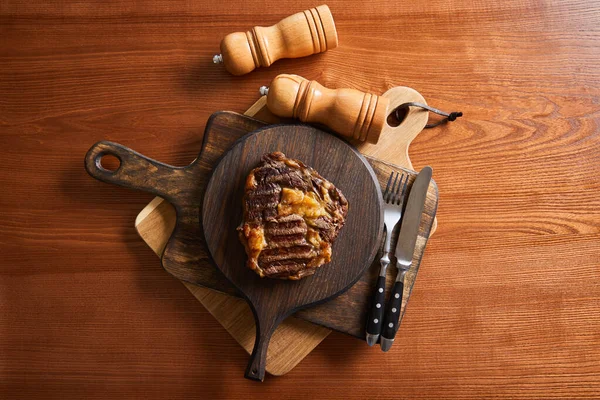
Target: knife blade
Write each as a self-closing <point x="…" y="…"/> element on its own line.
<point x="409" y="230"/>
<point x="407" y="240"/>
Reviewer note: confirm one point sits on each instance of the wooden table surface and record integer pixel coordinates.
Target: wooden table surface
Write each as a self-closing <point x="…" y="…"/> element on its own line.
<point x="507" y="303"/>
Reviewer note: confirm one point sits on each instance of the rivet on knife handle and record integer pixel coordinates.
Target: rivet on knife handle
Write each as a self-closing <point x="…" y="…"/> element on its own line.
<point x="392" y="316"/>
<point x="302" y="34"/>
<point x="348" y="112"/>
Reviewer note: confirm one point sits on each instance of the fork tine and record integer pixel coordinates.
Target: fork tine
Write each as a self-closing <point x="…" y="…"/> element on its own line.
<point x="403" y="194"/>
<point x="387" y="188"/>
<point x="393" y="190"/>
<point x="397" y="196"/>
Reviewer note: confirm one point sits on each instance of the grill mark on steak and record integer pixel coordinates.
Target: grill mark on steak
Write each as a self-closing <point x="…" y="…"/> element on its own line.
<point x="293" y="245"/>
<point x="287" y="269"/>
<point x="303" y="251"/>
<point x="277" y="241"/>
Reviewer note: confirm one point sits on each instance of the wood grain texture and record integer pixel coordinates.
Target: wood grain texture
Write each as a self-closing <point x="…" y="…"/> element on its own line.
<point x="507" y="297"/>
<point x="185" y="254"/>
<point x="295" y="338"/>
<point x="273" y="300"/>
<point x="302" y="34"/>
<point x="348" y="112"/>
<point x="291" y="342"/>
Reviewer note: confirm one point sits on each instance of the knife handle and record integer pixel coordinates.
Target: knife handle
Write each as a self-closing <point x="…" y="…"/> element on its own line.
<point x="392" y="316"/>
<point x="348" y="112"/>
<point x="375" y="318"/>
<point x="302" y="34"/>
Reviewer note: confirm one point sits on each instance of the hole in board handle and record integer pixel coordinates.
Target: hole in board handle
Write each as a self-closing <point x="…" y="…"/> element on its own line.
<point x="397" y="117"/>
<point x="108" y="162"/>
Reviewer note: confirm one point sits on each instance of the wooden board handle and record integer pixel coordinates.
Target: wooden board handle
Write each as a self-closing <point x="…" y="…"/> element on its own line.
<point x="135" y="171"/>
<point x="349" y="112"/>
<point x="258" y="359"/>
<point x="299" y="35"/>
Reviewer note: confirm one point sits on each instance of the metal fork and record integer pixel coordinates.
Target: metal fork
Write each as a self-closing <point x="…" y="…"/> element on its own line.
<point x="393" y="196"/>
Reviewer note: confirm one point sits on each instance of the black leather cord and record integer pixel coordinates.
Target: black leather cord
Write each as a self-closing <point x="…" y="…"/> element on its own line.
<point x="448" y="116"/>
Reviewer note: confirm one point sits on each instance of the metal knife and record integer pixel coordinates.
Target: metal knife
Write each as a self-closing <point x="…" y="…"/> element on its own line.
<point x="407" y="239"/>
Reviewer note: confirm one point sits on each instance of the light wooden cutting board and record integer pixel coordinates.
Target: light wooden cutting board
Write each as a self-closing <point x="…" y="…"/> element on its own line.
<point x="294" y="339"/>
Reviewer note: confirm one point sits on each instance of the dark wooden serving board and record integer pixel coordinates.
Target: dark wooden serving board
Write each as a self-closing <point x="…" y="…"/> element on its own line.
<point x="272" y="300"/>
<point x="186" y="256"/>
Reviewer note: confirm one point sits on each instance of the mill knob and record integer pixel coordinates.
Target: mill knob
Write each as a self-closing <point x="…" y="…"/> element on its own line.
<point x="349" y="112"/>
<point x="299" y="35"/>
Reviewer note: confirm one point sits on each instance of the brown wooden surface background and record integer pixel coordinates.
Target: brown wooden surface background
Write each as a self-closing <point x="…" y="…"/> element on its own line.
<point x="507" y="303"/>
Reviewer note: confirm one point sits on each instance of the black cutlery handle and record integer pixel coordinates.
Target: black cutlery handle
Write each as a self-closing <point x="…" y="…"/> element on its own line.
<point x="392" y="312"/>
<point x="376" y="315"/>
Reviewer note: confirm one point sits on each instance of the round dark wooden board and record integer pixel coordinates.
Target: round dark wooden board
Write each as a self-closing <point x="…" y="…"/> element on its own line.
<point x="272" y="300"/>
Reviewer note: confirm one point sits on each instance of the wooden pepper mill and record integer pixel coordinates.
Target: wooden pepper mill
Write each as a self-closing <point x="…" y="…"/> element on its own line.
<point x="349" y="112"/>
<point x="302" y="34"/>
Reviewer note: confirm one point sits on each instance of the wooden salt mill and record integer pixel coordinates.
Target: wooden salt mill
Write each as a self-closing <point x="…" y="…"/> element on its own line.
<point x="349" y="112"/>
<point x="299" y="35"/>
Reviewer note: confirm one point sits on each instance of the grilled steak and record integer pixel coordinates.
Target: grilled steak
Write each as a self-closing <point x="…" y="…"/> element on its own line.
<point x="292" y="215"/>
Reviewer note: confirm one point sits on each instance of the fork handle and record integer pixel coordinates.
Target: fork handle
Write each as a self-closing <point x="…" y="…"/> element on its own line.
<point x="375" y="317"/>
<point x="392" y="316"/>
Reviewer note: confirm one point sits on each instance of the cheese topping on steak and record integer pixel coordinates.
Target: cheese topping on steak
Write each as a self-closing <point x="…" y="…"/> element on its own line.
<point x="307" y="205"/>
<point x="292" y="215"/>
